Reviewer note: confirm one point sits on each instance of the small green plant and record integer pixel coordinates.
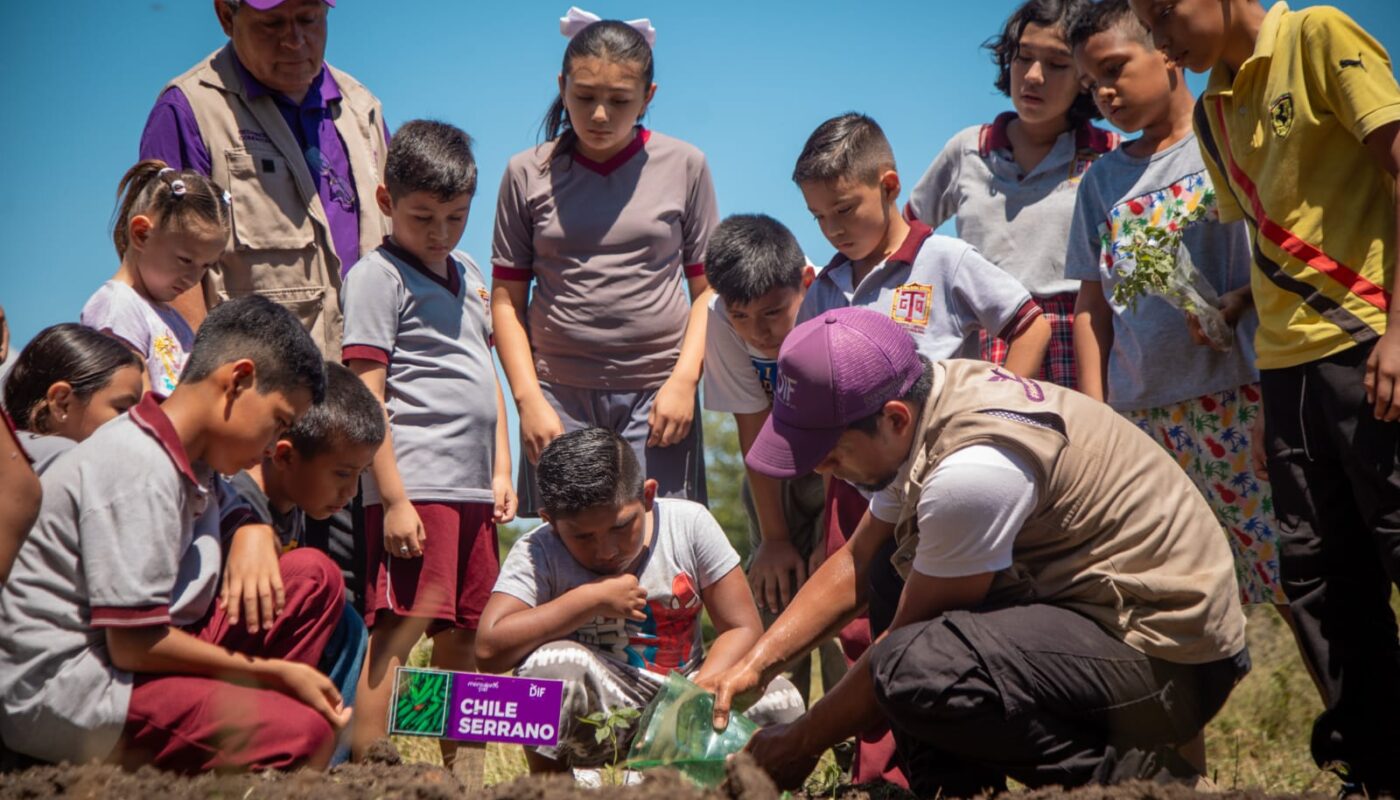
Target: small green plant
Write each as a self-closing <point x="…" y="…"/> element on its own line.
<point x="611" y="725"/>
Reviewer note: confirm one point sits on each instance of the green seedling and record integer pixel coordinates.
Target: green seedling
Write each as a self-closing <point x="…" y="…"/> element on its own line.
<point x="612" y="724"/>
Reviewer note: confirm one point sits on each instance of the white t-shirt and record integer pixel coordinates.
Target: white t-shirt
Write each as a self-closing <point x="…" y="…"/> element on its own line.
<point x="970" y="510"/>
<point x="155" y="330"/>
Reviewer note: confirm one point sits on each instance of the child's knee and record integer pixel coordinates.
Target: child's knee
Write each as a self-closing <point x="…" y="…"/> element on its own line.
<point x="325" y="583"/>
<point x="308" y="739"/>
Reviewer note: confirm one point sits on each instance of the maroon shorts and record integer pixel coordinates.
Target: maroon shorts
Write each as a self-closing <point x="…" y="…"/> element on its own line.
<point x="451" y="582"/>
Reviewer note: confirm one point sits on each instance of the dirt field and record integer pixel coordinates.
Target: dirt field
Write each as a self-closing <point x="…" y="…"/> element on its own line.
<point x="428" y="782"/>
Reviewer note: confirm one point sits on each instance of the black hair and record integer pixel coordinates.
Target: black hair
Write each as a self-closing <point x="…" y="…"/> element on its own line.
<point x="256" y="328"/>
<point x="83" y="357"/>
<point x="609" y="39"/>
<point x="1103" y="16"/>
<point x="430" y="156"/>
<point x="1049" y="14"/>
<point x="350" y="415"/>
<point x="851" y="146"/>
<point x="171" y="198"/>
<point x="914" y="398"/>
<point x="750" y="255"/>
<point x="585" y="469"/>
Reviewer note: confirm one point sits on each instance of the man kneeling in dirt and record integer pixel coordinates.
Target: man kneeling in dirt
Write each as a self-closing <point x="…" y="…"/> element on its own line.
<point x="1063" y="607"/>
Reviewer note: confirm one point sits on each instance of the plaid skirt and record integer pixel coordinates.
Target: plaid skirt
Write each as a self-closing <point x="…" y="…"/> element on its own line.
<point x="1058" y="367"/>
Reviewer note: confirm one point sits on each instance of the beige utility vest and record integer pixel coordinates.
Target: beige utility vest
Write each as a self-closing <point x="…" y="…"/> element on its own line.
<point x="281" y="246"/>
<point x="1119" y="533"/>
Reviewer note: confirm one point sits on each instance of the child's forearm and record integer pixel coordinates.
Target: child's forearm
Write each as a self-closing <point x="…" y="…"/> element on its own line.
<point x="1093" y="340"/>
<point x="766" y="491"/>
<point x="165" y="649"/>
<point x="1026" y="350"/>
<point x="691" y="362"/>
<point x="502" y="461"/>
<point x="502" y="645"/>
<point x="384" y="467"/>
<point x="508" y="301"/>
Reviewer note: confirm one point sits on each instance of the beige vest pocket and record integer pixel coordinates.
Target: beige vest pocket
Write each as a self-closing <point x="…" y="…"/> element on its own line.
<point x="268" y="211"/>
<point x="306" y="303"/>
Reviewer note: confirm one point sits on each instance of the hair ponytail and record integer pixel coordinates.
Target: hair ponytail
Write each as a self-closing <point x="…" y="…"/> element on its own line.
<point x="609" y="39"/>
<point x="169" y="197"/>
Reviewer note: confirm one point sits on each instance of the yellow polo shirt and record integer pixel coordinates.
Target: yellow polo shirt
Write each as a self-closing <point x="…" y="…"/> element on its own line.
<point x="1284" y="135"/>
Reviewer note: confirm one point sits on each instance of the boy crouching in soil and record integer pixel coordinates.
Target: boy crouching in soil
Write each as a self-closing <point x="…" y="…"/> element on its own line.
<point x="111" y="645"/>
<point x="607" y="595"/>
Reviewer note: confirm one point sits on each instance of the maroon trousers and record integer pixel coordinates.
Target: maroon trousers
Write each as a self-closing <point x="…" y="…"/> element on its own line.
<point x="190" y="724"/>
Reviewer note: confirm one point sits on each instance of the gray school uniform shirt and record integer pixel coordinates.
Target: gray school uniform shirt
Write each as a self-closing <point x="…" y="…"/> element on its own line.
<point x="434" y="335"/>
<point x="608" y="246"/>
<point x="1153" y="361"/>
<point x="1020" y="222"/>
<point x="688" y="553"/>
<point x="106" y="552"/>
<point x="939" y="289"/>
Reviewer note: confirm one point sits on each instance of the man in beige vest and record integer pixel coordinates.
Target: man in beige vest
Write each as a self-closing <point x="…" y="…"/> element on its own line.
<point x="1064" y="608"/>
<point x="300" y="147"/>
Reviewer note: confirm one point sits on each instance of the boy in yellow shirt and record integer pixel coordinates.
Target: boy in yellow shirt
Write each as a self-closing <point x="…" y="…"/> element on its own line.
<point x="1300" y="126"/>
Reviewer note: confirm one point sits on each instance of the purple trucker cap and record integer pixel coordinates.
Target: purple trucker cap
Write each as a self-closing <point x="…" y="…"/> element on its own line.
<point x="832" y="370"/>
<point x="263" y="5"/>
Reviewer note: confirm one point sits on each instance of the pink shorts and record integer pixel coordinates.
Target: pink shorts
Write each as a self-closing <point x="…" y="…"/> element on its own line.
<point x="451" y="582"/>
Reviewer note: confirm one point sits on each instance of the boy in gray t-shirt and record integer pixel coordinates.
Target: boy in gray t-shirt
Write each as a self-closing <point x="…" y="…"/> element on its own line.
<point x="607" y="595"/>
<point x="418" y="333"/>
<point x="1197" y="402"/>
<point x="111" y="645"/>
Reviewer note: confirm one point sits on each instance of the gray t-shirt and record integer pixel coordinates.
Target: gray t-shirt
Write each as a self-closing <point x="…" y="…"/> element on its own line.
<point x="105" y="552"/>
<point x="43" y="449"/>
<point x="608" y="247"/>
<point x="1153" y="361"/>
<point x="1018" y="222"/>
<point x="938" y="288"/>
<point x="289" y="527"/>
<point x="737" y="379"/>
<point x="440" y="389"/>
<point x="154" y="330"/>
<point x="688" y="553"/>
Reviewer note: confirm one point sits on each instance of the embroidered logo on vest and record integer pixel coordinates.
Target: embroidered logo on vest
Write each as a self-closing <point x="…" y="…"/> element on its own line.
<point x="912" y="306"/>
<point x="1033" y="390"/>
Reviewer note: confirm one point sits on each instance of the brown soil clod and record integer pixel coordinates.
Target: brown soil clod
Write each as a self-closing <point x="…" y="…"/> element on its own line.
<point x="383" y="751"/>
<point x="746" y="780"/>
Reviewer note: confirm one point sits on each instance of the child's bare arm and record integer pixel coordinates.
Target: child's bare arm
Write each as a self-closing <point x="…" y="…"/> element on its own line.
<point x="1383" y="366"/>
<point x="163" y="649"/>
<point x="252" y="588"/>
<point x="539" y="423"/>
<point x="403" y="530"/>
<point x="736" y="622"/>
<point x="20" y="495"/>
<point x="673" y="411"/>
<point x="1026" y="350"/>
<point x="1093" y="339"/>
<point x="510" y="629"/>
<point x="502" y="486"/>
<point x="777" y="570"/>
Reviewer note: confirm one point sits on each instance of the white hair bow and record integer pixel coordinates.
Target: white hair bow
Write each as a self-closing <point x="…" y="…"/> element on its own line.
<point x="577" y="19"/>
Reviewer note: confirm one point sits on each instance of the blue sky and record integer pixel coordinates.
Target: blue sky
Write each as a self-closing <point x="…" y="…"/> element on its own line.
<point x="746" y="82"/>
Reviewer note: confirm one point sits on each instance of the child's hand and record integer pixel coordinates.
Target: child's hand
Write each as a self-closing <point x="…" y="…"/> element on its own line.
<point x="308" y="685"/>
<point x="621" y="597"/>
<point x="539" y="425"/>
<point x="503" y="489"/>
<point x="252" y="587"/>
<point x="403" y="531"/>
<point x="771" y="575"/>
<point x="672" y="413"/>
<point x="1382" y="379"/>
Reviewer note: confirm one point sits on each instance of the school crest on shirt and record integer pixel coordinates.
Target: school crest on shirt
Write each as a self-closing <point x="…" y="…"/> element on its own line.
<point x="1281" y="114"/>
<point x="912" y="306"/>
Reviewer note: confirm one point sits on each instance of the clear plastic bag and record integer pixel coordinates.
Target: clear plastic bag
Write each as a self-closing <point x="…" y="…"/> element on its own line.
<point x="677" y="730"/>
<point x="1162" y="266"/>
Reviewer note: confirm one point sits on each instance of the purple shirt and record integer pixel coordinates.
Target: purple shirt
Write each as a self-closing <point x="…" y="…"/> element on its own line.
<point x="172" y="135"/>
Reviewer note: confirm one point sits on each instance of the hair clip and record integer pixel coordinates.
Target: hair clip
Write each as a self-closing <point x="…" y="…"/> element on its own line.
<point x="163" y="171"/>
<point x="177" y="187"/>
<point x="226" y="197"/>
<point x="577" y="19"/>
